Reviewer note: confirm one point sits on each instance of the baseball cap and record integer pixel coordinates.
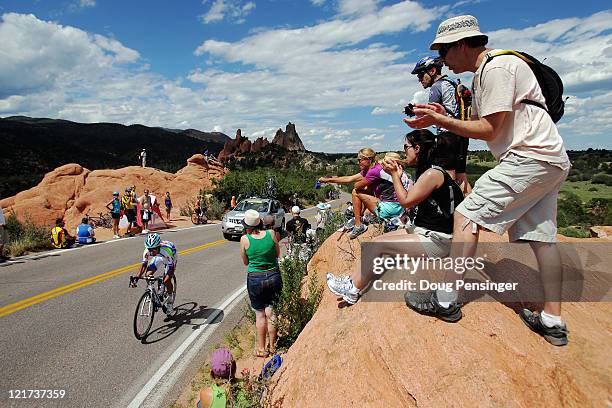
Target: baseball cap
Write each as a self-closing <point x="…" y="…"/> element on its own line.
<point x="295" y="209"/>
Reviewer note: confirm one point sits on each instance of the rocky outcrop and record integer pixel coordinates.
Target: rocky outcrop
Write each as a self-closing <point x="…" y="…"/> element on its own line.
<point x="376" y="354"/>
<point x="599" y="231"/>
<point x="289" y="139"/>
<point x="70" y="191"/>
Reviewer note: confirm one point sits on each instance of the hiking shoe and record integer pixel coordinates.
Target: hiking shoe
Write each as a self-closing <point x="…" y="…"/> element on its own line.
<point x="340" y="287"/>
<point x="556" y="335"/>
<point x="356" y="231"/>
<point x="351" y="296"/>
<point x="426" y="303"/>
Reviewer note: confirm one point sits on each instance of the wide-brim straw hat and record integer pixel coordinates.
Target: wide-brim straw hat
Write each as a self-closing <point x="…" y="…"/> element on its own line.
<point x="252" y="219"/>
<point x="455" y="29"/>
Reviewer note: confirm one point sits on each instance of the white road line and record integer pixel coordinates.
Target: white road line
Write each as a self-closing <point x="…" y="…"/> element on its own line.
<point x="205" y="332"/>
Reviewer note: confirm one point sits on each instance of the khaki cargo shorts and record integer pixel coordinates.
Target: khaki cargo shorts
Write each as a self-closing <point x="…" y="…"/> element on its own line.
<point x="519" y="195"/>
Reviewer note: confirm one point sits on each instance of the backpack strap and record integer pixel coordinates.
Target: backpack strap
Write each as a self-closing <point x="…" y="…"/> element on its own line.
<point x="432" y="201"/>
<point x="529" y="62"/>
<point x="454" y="85"/>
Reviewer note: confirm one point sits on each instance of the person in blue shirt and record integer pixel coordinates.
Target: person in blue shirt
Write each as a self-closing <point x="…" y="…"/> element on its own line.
<point x="85" y="232"/>
<point x="114" y="206"/>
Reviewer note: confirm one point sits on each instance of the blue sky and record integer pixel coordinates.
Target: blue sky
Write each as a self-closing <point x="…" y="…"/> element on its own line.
<point x="338" y="69"/>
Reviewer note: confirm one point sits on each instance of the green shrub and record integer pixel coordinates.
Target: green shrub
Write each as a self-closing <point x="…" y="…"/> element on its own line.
<point x="215" y="209"/>
<point x="25" y="236"/>
<point x="575" y="232"/>
<point x="602" y="178"/>
<point x="570" y="210"/>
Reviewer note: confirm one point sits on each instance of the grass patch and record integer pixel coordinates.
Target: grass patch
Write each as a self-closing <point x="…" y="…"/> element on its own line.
<point x="25" y="236"/>
<point x="586" y="191"/>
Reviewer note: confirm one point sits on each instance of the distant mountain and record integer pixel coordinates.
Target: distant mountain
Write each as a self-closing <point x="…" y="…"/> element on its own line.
<point x="216" y="137"/>
<point x="32" y="147"/>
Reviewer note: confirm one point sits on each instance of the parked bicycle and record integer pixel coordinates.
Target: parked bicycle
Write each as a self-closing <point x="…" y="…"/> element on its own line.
<point x="149" y="303"/>
<point x="102" y="220"/>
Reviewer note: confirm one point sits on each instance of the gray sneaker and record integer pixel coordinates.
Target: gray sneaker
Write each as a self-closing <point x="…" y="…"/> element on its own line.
<point x="356" y="231"/>
<point x="556" y="335"/>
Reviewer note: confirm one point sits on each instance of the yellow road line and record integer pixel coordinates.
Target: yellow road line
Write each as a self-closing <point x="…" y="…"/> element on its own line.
<point x="31" y="301"/>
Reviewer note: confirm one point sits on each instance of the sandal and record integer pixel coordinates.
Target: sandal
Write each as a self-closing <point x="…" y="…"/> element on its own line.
<point x="426" y="303"/>
<point x="260" y="353"/>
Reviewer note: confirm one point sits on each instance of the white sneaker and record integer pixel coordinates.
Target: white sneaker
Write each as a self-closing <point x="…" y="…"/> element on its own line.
<point x="116" y="236"/>
<point x="341" y="286"/>
<point x="351" y="296"/>
<point x="145" y="231"/>
<point x="331" y="276"/>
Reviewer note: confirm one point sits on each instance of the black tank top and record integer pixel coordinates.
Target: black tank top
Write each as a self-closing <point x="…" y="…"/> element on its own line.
<point x="436" y="212"/>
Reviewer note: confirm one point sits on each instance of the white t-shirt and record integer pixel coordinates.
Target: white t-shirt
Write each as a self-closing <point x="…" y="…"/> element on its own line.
<point x="527" y="130"/>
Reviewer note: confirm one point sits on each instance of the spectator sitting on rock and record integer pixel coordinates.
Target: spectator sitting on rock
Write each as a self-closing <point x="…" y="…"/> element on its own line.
<point x="435" y="194"/>
<point x="85" y="232"/>
<point x="60" y="238"/>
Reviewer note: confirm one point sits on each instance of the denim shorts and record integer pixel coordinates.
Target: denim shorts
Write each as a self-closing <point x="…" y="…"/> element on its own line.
<point x="263" y="289"/>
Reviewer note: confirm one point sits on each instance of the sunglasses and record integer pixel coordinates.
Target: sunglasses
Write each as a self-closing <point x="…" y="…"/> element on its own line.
<point x="360" y="159"/>
<point x="407" y="146"/>
<point x="443" y="50"/>
<point x="420" y="75"/>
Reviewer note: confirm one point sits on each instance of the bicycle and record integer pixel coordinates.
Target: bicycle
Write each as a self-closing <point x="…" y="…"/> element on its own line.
<point x="149" y="303"/>
<point x="198" y="219"/>
<point x="102" y="220"/>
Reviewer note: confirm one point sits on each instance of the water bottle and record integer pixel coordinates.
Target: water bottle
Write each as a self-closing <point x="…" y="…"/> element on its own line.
<point x="317" y="185"/>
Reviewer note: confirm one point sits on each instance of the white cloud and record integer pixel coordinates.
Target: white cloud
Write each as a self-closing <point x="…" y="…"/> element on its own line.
<point x="374" y="136"/>
<point x="356" y="7"/>
<point x="220" y="9"/>
<point x="317" y="2"/>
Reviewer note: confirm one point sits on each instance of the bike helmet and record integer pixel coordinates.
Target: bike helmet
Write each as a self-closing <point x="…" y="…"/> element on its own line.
<point x="152" y="241"/>
<point x="425" y="63"/>
<point x="116" y="193"/>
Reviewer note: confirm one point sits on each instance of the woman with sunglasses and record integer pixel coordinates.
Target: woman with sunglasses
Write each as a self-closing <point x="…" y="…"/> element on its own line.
<point x="434" y="194"/>
<point x="372" y="191"/>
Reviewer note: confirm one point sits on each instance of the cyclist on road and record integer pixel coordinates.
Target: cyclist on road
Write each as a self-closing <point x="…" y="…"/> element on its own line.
<point x="160" y="256"/>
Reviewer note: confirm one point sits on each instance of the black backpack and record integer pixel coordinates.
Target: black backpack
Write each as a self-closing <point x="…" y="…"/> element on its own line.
<point x="548" y="79"/>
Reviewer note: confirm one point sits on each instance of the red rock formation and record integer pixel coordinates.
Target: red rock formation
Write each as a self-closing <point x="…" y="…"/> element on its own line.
<point x="70" y="191"/>
<point x="289" y="139"/>
<point x="376" y="354"/>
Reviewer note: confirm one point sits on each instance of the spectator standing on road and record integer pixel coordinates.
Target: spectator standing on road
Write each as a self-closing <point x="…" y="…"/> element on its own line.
<point x="519" y="195"/>
<point x="85" y="233"/>
<point x="127" y="205"/>
<point x="268" y="222"/>
<point x="114" y="206"/>
<point x="260" y="251"/>
<point x="297" y="226"/>
<point x="3" y="234"/>
<point x="233" y="202"/>
<point x="168" y="204"/>
<point x="146" y="205"/>
<point x="60" y="238"/>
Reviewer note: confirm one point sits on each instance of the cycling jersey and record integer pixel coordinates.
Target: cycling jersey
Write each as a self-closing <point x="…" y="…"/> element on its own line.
<point x="168" y="258"/>
<point x="126" y="201"/>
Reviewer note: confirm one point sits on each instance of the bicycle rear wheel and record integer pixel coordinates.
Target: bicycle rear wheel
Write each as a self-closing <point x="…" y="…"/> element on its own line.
<point x="143" y="317"/>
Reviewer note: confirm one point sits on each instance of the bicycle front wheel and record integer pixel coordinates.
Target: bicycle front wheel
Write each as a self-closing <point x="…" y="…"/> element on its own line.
<point x="143" y="318"/>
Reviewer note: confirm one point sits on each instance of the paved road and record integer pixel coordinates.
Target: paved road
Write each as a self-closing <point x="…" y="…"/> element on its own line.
<point x="66" y="321"/>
